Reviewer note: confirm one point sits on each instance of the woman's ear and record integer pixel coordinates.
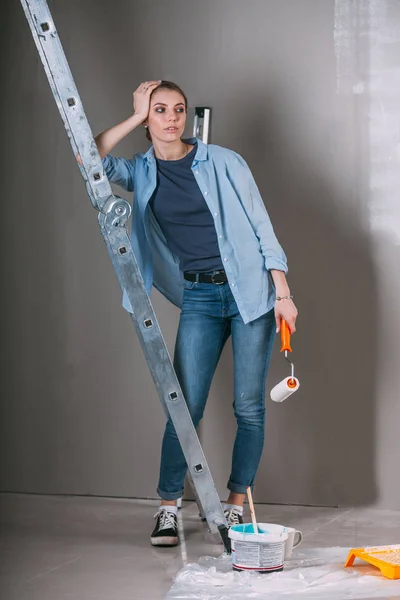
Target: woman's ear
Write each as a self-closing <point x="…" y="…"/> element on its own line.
<point x="145" y="124"/>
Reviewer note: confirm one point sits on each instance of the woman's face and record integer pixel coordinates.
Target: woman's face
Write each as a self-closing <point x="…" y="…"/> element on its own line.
<point x="167" y="116"/>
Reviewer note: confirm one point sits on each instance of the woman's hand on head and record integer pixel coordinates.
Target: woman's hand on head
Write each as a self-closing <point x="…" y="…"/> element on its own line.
<point x="141" y="98"/>
<point x="286" y="309"/>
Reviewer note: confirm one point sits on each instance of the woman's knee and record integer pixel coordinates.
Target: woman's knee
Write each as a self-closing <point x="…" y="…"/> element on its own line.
<point x="250" y="413"/>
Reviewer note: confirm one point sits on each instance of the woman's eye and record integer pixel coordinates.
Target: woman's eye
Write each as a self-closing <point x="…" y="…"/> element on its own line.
<point x="161" y="109"/>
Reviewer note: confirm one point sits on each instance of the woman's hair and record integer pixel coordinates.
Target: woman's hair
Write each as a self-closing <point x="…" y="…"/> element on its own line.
<point x="173" y="87"/>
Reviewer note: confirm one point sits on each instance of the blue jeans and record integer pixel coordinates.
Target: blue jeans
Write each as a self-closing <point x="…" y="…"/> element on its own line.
<point x="209" y="316"/>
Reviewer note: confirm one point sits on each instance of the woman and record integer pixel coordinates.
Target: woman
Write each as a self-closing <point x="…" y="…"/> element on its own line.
<point x="202" y="236"/>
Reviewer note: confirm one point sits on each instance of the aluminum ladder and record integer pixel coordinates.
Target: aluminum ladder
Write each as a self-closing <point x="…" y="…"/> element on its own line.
<point x="114" y="213"/>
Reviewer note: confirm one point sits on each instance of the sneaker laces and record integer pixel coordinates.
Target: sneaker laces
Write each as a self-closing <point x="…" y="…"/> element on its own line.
<point x="232" y="516"/>
<point x="166" y="520"/>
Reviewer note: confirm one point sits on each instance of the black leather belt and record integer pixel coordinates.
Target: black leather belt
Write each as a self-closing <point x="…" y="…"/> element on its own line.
<point x="218" y="277"/>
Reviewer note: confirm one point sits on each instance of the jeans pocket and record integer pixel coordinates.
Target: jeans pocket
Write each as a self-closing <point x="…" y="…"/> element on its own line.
<point x="188" y="285"/>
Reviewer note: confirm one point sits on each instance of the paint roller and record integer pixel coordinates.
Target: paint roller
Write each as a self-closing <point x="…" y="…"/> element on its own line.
<point x="291" y="384"/>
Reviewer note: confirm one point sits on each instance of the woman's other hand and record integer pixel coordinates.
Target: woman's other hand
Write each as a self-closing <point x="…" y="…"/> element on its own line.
<point x="286" y="309"/>
<point x="141" y="98"/>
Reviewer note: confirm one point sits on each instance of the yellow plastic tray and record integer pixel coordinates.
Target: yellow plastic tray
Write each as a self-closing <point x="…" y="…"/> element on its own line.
<point x="386" y="558"/>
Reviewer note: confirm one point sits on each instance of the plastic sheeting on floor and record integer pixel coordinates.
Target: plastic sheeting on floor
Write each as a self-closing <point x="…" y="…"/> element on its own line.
<point x="312" y="573"/>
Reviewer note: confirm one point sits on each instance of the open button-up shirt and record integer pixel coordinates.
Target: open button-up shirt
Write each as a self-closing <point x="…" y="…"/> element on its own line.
<point x="247" y="242"/>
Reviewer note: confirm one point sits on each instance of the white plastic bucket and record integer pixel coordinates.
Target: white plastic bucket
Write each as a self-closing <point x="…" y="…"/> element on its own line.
<point x="263" y="552"/>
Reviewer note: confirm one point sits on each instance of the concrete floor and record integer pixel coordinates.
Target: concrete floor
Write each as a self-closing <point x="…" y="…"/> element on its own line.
<point x="79" y="548"/>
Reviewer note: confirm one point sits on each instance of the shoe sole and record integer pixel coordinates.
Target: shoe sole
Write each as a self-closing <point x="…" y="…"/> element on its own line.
<point x="164" y="541"/>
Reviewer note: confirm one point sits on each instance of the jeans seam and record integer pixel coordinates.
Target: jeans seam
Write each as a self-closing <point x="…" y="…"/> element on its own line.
<point x="220" y="348"/>
<point x="221" y="299"/>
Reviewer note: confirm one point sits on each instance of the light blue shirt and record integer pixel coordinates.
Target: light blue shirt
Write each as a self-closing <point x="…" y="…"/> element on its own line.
<point x="246" y="239"/>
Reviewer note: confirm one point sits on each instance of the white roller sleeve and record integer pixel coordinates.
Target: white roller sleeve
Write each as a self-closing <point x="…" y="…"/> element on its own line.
<point x="282" y="390"/>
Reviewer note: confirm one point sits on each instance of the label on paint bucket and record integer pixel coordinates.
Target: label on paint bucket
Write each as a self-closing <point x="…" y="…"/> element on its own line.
<point x="251" y="555"/>
<point x="263" y="551"/>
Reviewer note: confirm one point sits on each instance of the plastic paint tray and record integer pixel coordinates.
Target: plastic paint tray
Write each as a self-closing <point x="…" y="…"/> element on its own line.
<point x="386" y="558"/>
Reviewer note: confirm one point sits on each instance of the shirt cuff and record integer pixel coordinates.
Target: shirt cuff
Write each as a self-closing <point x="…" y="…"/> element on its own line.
<point x="274" y="263"/>
<point x="106" y="161"/>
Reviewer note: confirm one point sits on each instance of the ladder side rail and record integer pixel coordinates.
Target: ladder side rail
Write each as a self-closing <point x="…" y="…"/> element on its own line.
<point x="112" y="225"/>
<point x="67" y="99"/>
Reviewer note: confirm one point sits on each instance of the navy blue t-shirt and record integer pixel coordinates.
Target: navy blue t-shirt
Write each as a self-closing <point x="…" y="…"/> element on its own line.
<point x="184" y="217"/>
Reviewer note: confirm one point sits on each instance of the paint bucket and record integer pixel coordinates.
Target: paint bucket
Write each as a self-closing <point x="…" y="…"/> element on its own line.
<point x="262" y="552"/>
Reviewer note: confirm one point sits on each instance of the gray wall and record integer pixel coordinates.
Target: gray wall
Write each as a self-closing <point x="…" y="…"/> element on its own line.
<point x="294" y="88"/>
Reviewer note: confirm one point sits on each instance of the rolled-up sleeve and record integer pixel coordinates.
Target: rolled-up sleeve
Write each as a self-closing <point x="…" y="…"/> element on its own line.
<point x="257" y="214"/>
<point x="120" y="171"/>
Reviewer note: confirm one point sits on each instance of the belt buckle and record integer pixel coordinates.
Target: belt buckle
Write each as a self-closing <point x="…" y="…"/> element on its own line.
<point x="217" y="282"/>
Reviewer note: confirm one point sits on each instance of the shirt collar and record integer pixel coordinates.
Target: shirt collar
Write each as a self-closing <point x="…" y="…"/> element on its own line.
<point x="201" y="152"/>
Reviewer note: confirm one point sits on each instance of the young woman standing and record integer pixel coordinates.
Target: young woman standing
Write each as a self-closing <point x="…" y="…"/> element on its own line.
<point x="202" y="236"/>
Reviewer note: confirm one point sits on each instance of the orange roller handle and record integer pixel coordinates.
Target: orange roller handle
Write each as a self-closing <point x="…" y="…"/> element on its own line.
<point x="285" y="337"/>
